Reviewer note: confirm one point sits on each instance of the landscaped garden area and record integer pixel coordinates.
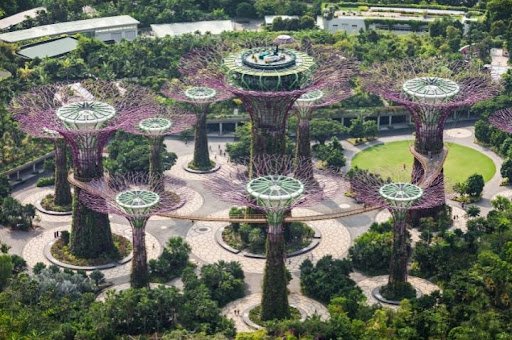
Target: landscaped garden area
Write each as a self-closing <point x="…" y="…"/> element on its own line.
<point x="389" y="160"/>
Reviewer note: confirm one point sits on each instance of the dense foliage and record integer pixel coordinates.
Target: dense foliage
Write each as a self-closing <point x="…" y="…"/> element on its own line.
<point x="372" y="250"/>
<point x="172" y="261"/>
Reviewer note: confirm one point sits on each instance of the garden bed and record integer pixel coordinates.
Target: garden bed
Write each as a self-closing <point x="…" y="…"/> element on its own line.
<point x="255" y="315"/>
<point x="47" y="204"/>
<point x="60" y="251"/>
<point x="251" y="238"/>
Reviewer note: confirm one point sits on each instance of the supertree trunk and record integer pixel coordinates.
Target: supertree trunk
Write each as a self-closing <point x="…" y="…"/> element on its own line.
<point x="155" y="164"/>
<point x="399" y="255"/>
<point x="303" y="147"/>
<point x="274" y="302"/>
<point x="429" y="142"/>
<point x="62" y="196"/>
<point x="90" y="230"/>
<point x="201" y="158"/>
<point x="139" y="277"/>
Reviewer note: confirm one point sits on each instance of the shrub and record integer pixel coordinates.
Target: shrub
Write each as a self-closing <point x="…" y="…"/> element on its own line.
<point x="371" y="252"/>
<point x="173" y="260"/>
<point x="97" y="276"/>
<point x="6" y="268"/>
<point x="45" y="181"/>
<point x="64" y="236"/>
<point x="38" y="267"/>
<point x="224" y="280"/>
<point x="19" y="264"/>
<point x="328" y="279"/>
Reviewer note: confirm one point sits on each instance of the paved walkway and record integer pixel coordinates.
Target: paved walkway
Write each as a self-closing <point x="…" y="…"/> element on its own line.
<point x="34" y="249"/>
<point x="309" y="306"/>
<point x="335" y="241"/>
<point x="369" y="283"/>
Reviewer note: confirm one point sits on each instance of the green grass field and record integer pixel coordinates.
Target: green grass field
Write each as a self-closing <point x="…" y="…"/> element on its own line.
<point x="389" y="160"/>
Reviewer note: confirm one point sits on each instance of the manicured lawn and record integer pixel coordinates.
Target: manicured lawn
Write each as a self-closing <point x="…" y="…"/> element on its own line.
<point x="389" y="160"/>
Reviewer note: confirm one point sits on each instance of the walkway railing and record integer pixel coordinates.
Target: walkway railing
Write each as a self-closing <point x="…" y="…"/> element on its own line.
<point x="432" y="166"/>
<point x="253" y="218"/>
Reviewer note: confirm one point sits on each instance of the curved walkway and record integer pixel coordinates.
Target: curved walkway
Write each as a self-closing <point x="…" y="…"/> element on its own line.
<point x="33" y="252"/>
<point x="335" y="241"/>
<point x="309" y="306"/>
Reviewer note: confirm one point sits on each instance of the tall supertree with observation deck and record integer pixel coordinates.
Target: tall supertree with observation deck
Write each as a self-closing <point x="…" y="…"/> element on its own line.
<point x="92" y="111"/>
<point x="399" y="198"/>
<point x="275" y="187"/>
<point x="201" y="97"/>
<point x="430" y="89"/>
<point x="166" y="121"/>
<point x="134" y="197"/>
<point x="268" y="80"/>
<point x="307" y="104"/>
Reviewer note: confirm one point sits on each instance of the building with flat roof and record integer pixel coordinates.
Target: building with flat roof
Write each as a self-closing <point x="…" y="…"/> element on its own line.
<point x="19" y="17"/>
<point x="51" y="48"/>
<point x="394" y="19"/>
<point x="269" y="19"/>
<point x="203" y="27"/>
<point x="105" y="29"/>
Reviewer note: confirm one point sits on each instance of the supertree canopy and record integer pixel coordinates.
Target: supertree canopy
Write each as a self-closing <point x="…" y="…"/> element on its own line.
<point x="399" y="198"/>
<point x="275" y="188"/>
<point x="133" y="197"/>
<point x="306" y="105"/>
<point x="268" y="80"/>
<point x="201" y="97"/>
<point x="167" y="121"/>
<point x="22" y="105"/>
<point x="502" y="120"/>
<point x="86" y="114"/>
<point x="430" y="89"/>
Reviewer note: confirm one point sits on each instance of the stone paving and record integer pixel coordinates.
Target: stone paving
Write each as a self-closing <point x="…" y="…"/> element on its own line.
<point x="178" y="171"/>
<point x="458" y="133"/>
<point x="194" y="203"/>
<point x="367" y="284"/>
<point x="33" y="251"/>
<point x="335" y="241"/>
<point x="244" y="305"/>
<point x="31" y="196"/>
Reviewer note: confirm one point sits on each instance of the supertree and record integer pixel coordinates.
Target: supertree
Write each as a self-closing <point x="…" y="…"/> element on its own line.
<point x="306" y="105"/>
<point x="275" y="187"/>
<point x="92" y="112"/>
<point x="167" y="121"/>
<point x="502" y="120"/>
<point x="201" y="97"/>
<point x="430" y="89"/>
<point x="24" y="104"/>
<point x="268" y="80"/>
<point x="399" y="198"/>
<point x="133" y="197"/>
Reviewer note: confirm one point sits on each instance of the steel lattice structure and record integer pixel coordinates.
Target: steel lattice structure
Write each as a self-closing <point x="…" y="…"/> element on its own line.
<point x="430" y="89"/>
<point x="134" y="197"/>
<point x="167" y="121"/>
<point x="85" y="114"/>
<point x="399" y="198"/>
<point x="306" y="105"/>
<point x="502" y="120"/>
<point x="201" y="97"/>
<point x="267" y="84"/>
<point x="275" y="187"/>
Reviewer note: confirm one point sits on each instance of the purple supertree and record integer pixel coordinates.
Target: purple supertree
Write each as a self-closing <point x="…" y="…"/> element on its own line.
<point x="306" y="105"/>
<point x="167" y="121"/>
<point x="92" y="112"/>
<point x="268" y="81"/>
<point x="430" y="89"/>
<point x="25" y="104"/>
<point x="201" y="97"/>
<point x="502" y="120"/>
<point x="275" y="187"/>
<point x="133" y="197"/>
<point x="399" y="198"/>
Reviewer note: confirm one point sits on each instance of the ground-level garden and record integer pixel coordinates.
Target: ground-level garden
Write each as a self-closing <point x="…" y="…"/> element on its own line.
<point x="394" y="158"/>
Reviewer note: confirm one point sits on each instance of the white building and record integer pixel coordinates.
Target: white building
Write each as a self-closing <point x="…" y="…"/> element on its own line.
<point x="269" y="19"/>
<point x="105" y="29"/>
<point x="203" y="27"/>
<point x="19" y="17"/>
